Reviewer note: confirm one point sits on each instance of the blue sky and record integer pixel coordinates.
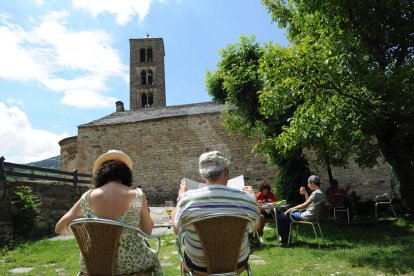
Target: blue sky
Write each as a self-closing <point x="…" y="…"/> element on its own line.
<point x="65" y="63"/>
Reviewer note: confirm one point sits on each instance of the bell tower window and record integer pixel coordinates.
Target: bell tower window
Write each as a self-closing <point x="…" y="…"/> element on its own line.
<point x="144" y="100"/>
<point x="150" y="79"/>
<point x="149" y="55"/>
<point x="150" y="99"/>
<point x="143" y="77"/>
<point x="142" y="55"/>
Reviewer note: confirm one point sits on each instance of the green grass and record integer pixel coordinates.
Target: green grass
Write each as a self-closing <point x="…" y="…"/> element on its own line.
<point x="374" y="248"/>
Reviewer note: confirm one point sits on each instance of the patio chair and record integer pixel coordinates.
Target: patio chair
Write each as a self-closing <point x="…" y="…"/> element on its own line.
<point x="338" y="204"/>
<point x="311" y="223"/>
<point x="385" y="199"/>
<point x="221" y="236"/>
<point x="98" y="241"/>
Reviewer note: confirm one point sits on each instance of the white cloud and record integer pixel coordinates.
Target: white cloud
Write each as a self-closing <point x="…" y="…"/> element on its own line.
<point x="40" y="2"/>
<point x="20" y="142"/>
<point x="12" y="101"/>
<point x="123" y="10"/>
<point x="50" y="50"/>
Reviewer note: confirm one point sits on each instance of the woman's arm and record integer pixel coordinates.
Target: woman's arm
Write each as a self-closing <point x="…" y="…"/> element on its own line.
<point x="146" y="224"/>
<point x="74" y="213"/>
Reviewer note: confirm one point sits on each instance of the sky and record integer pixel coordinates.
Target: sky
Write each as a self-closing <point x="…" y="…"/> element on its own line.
<point x="64" y="63"/>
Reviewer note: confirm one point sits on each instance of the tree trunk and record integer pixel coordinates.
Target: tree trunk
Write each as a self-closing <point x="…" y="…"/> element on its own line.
<point x="398" y="154"/>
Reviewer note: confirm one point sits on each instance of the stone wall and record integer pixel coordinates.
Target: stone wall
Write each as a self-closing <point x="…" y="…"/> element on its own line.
<point x="56" y="199"/>
<point x="167" y="149"/>
<point x="68" y="158"/>
<point x="367" y="183"/>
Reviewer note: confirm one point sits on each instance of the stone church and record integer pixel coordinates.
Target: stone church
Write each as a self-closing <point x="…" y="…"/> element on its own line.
<point x="165" y="142"/>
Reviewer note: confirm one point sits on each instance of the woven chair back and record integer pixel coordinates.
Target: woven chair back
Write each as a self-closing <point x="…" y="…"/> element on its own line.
<point x="221" y="238"/>
<point x="98" y="243"/>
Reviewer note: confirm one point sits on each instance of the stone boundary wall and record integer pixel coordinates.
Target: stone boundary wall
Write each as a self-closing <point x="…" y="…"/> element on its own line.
<point x="367" y="183"/>
<point x="56" y="199"/>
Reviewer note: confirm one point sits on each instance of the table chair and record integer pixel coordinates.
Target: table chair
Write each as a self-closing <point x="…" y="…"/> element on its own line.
<point x="339" y="204"/>
<point x="311" y="223"/>
<point x="385" y="199"/>
<point x="98" y="241"/>
<point x="221" y="236"/>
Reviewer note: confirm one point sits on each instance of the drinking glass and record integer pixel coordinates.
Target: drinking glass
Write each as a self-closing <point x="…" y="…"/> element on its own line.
<point x="169" y="208"/>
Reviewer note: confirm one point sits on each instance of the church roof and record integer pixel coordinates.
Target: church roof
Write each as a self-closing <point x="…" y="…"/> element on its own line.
<point x="130" y="116"/>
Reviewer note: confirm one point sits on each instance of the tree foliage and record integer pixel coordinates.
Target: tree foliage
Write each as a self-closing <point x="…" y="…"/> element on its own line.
<point x="350" y="65"/>
<point x="237" y="83"/>
<point x="343" y="87"/>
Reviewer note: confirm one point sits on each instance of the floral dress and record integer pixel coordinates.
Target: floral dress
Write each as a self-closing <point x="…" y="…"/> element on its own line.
<point x="133" y="254"/>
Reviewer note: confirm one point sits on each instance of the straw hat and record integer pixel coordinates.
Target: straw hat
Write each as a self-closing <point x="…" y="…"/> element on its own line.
<point x="112" y="155"/>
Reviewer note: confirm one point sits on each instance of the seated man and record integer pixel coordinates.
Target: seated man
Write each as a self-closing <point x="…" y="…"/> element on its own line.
<point x="311" y="203"/>
<point x="213" y="168"/>
<point x="264" y="197"/>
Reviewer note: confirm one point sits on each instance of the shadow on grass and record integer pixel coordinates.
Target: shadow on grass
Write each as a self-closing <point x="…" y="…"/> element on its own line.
<point x="382" y="245"/>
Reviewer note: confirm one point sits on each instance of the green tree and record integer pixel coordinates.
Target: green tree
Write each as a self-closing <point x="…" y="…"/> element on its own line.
<point x="348" y="76"/>
<point x="237" y="83"/>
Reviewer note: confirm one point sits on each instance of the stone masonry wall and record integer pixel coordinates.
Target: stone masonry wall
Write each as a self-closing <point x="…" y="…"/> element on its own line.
<point x="367" y="183"/>
<point x="68" y="158"/>
<point x="166" y="150"/>
<point x="56" y="199"/>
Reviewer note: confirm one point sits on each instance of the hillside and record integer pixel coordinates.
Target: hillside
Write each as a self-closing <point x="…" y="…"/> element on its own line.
<point x="51" y="163"/>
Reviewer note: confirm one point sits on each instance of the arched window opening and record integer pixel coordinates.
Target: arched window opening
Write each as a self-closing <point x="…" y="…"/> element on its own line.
<point x="142" y="55"/>
<point x="149" y="55"/>
<point x="150" y="99"/>
<point x="150" y="77"/>
<point x="143" y="77"/>
<point x="144" y="100"/>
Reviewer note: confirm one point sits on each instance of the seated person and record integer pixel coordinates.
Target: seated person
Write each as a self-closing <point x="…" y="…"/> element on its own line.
<point x="311" y="203"/>
<point x="213" y="168"/>
<point x="264" y="197"/>
<point x="114" y="198"/>
<point x="335" y="190"/>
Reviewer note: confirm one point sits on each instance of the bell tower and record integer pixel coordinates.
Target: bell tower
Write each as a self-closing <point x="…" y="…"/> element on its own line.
<point x="147" y="75"/>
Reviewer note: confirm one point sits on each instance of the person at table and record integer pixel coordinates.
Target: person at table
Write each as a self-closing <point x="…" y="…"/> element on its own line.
<point x="311" y="204"/>
<point x="114" y="198"/>
<point x="213" y="168"/>
<point x="335" y="190"/>
<point x="265" y="197"/>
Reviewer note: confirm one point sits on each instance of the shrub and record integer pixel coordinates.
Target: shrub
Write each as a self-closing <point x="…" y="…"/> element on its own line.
<point x="25" y="211"/>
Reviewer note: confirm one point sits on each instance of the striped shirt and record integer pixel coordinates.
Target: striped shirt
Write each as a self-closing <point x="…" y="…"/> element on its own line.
<point x="210" y="200"/>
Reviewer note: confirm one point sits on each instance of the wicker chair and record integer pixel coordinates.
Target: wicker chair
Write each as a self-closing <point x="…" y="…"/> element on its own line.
<point x="311" y="223"/>
<point x="221" y="236"/>
<point x="98" y="241"/>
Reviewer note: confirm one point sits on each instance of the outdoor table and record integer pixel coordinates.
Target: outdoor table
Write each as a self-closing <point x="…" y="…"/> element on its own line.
<point x="276" y="210"/>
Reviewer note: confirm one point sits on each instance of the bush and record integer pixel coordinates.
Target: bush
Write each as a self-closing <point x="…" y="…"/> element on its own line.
<point x="25" y="211"/>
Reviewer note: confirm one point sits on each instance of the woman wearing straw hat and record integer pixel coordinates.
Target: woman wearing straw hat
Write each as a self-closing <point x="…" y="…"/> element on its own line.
<point x="114" y="198"/>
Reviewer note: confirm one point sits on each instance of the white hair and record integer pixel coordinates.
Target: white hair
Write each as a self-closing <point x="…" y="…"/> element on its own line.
<point x="212" y="172"/>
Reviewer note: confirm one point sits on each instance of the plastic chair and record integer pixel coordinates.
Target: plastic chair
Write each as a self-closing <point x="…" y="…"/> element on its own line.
<point x="221" y="237"/>
<point x="98" y="241"/>
<point x="338" y="204"/>
<point x="311" y="223"/>
<point x="385" y="199"/>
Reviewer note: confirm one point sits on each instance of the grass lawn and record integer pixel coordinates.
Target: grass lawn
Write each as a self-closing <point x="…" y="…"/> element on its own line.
<point x="372" y="248"/>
